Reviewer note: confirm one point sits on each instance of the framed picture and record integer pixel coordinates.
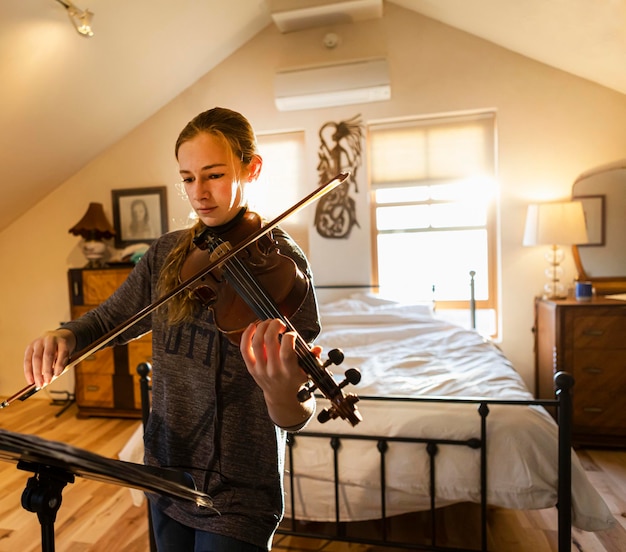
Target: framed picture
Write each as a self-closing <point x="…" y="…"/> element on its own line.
<point x="139" y="215"/>
<point x="593" y="206"/>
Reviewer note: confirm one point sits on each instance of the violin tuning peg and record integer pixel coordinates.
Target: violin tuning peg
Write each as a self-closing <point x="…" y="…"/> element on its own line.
<point x="305" y="392"/>
<point x="351" y="377"/>
<point x="335" y="356"/>
<point x="325" y="415"/>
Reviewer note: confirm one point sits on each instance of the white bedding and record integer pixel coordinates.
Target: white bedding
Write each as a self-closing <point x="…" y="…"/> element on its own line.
<point x="405" y="351"/>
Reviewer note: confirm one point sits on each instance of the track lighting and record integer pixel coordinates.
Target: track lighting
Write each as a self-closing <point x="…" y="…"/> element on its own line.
<point x="81" y="19"/>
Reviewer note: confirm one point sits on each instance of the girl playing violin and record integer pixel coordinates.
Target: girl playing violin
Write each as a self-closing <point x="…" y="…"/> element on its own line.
<point x="219" y="410"/>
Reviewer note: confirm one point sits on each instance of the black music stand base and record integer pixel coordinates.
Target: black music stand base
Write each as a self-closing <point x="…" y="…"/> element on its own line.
<point x="42" y="495"/>
<point x="57" y="464"/>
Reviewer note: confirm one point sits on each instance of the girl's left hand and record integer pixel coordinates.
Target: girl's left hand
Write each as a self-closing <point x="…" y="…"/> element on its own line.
<point x="271" y="359"/>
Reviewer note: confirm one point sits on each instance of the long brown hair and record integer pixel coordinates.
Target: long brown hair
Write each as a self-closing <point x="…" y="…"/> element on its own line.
<point x="236" y="131"/>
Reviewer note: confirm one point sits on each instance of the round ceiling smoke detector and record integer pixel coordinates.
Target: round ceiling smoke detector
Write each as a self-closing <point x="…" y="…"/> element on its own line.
<point x="331" y="40"/>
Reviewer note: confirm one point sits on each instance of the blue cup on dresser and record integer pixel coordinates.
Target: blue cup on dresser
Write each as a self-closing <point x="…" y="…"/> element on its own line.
<point x="584" y="291"/>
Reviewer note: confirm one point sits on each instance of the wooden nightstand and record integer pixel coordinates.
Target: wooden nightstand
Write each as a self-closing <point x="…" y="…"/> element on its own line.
<point x="588" y="340"/>
<point x="106" y="382"/>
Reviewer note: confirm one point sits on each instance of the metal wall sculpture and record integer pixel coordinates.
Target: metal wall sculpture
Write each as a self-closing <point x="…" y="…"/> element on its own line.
<point x="339" y="151"/>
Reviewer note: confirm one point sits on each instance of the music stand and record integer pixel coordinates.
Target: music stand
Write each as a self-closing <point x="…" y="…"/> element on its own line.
<point x="56" y="464"/>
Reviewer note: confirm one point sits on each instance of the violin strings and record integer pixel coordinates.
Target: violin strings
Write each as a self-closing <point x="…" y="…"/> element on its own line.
<point x="264" y="304"/>
<point x="266" y="308"/>
<point x="248" y="287"/>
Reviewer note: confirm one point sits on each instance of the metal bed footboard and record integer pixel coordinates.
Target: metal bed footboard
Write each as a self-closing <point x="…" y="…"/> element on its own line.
<point x="563" y="406"/>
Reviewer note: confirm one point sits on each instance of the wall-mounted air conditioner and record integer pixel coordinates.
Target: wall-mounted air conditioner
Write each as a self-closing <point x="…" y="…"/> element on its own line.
<point x="348" y="83"/>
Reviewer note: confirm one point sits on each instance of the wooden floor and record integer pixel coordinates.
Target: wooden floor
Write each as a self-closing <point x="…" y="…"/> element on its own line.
<point x="98" y="516"/>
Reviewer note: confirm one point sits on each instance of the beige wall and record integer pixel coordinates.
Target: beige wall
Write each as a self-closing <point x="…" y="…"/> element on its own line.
<point x="552" y="127"/>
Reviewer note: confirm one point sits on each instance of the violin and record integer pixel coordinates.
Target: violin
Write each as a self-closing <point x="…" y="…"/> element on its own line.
<point x="228" y="277"/>
<point x="252" y="285"/>
<point x="261" y="283"/>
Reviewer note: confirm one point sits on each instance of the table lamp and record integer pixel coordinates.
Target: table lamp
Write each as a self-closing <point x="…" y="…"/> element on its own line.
<point x="93" y="228"/>
<point x="555" y="224"/>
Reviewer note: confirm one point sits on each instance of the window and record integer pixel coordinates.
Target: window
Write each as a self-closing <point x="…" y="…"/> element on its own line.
<point x="278" y="186"/>
<point x="433" y="211"/>
<point x="282" y="182"/>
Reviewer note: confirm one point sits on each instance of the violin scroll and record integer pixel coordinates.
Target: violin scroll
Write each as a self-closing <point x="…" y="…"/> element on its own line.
<point x="342" y="405"/>
<point x="332" y="412"/>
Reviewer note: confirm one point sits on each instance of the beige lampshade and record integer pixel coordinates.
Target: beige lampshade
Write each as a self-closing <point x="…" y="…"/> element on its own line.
<point x="94" y="225"/>
<point x="560" y="223"/>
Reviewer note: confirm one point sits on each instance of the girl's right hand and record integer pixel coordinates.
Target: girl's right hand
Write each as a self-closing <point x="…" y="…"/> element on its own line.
<point x="47" y="356"/>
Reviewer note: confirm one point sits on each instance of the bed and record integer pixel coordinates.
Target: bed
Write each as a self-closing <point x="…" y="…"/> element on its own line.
<point x="446" y="420"/>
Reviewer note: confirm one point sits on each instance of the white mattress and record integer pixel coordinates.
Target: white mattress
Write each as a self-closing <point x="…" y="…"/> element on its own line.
<point x="405" y="351"/>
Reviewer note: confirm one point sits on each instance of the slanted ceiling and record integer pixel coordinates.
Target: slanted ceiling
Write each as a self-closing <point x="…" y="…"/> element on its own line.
<point x="65" y="99"/>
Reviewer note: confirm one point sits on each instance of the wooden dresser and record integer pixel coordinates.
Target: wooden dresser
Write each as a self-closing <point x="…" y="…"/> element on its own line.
<point x="588" y="340"/>
<point x="107" y="383"/>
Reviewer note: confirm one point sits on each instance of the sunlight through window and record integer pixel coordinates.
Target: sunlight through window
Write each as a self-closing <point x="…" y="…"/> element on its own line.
<point x="434" y="212"/>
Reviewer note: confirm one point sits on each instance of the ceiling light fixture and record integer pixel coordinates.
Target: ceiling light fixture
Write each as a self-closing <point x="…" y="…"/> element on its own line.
<point x="81" y="19"/>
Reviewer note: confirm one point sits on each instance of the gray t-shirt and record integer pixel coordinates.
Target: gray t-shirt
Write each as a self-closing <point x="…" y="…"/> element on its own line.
<point x="208" y="416"/>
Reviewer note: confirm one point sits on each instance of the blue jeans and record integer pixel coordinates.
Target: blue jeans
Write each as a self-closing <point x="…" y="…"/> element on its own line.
<point x="172" y="536"/>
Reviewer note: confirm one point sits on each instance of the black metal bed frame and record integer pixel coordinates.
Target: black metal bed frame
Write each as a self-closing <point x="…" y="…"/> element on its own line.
<point x="563" y="405"/>
<point x="564" y="383"/>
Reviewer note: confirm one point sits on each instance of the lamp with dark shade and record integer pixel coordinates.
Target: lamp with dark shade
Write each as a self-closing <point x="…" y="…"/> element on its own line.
<point x="555" y="224"/>
<point x="93" y="228"/>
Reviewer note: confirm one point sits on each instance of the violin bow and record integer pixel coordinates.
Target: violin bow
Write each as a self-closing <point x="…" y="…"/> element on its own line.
<point x="31" y="389"/>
